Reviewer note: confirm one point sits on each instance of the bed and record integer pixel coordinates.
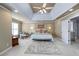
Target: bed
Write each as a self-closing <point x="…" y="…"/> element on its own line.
<point x="42" y="36"/>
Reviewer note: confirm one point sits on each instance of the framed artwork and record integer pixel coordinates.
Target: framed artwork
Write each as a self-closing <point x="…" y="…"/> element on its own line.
<point x="40" y="25"/>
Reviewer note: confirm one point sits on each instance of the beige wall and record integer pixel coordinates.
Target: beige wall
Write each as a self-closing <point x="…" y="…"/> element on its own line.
<point x="58" y="28"/>
<point x="26" y="26"/>
<point x="5" y="29"/>
<point x="58" y="21"/>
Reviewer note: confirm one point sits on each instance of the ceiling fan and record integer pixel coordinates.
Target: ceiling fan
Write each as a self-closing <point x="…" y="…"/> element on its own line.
<point x="43" y="9"/>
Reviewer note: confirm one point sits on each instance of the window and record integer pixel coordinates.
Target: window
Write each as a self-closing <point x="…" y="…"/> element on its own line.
<point x="14" y="28"/>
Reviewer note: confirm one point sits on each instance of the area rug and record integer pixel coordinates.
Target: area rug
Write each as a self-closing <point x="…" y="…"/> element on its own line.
<point x="43" y="47"/>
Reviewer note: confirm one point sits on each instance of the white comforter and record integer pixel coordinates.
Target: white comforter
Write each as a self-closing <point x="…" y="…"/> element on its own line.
<point x="41" y="36"/>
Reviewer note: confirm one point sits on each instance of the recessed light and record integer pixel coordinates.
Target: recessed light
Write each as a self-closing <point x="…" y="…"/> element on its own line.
<point x="71" y="9"/>
<point x="15" y="10"/>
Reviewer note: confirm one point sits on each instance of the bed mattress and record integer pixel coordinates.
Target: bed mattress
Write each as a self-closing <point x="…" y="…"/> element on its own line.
<point x="41" y="36"/>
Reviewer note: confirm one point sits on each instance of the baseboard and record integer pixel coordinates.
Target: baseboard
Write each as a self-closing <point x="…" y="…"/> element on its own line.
<point x="5" y="50"/>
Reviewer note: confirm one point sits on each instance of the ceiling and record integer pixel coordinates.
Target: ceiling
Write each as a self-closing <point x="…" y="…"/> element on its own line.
<point x="40" y="5"/>
<point x="68" y="12"/>
<point x="26" y="10"/>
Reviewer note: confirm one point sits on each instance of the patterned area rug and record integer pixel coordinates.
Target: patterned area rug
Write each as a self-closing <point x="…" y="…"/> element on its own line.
<point x="43" y="47"/>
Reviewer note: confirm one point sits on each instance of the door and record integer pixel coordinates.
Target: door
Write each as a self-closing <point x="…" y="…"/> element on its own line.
<point x="65" y="31"/>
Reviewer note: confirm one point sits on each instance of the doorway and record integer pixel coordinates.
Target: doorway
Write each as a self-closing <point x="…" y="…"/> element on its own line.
<point x="75" y="32"/>
<point x="65" y="31"/>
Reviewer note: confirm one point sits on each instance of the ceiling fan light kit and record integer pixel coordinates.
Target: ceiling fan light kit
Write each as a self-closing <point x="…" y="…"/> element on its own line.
<point x="44" y="10"/>
<point x="41" y="11"/>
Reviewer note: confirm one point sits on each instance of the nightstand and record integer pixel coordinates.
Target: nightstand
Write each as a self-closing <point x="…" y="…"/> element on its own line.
<point x="14" y="41"/>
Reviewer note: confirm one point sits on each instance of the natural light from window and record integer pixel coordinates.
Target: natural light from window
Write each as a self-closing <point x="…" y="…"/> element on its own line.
<point x="14" y="28"/>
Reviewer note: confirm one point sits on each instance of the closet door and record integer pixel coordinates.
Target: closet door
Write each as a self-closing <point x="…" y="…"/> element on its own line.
<point x="65" y="31"/>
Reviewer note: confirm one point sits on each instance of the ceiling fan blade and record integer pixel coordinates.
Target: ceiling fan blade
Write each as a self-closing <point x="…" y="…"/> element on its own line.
<point x="37" y="7"/>
<point x="44" y="5"/>
<point x="48" y="7"/>
<point x="44" y="10"/>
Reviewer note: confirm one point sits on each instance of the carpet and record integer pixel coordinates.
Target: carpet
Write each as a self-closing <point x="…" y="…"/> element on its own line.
<point x="43" y="47"/>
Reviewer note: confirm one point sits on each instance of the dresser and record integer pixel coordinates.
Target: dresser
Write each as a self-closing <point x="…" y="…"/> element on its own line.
<point x="14" y="41"/>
